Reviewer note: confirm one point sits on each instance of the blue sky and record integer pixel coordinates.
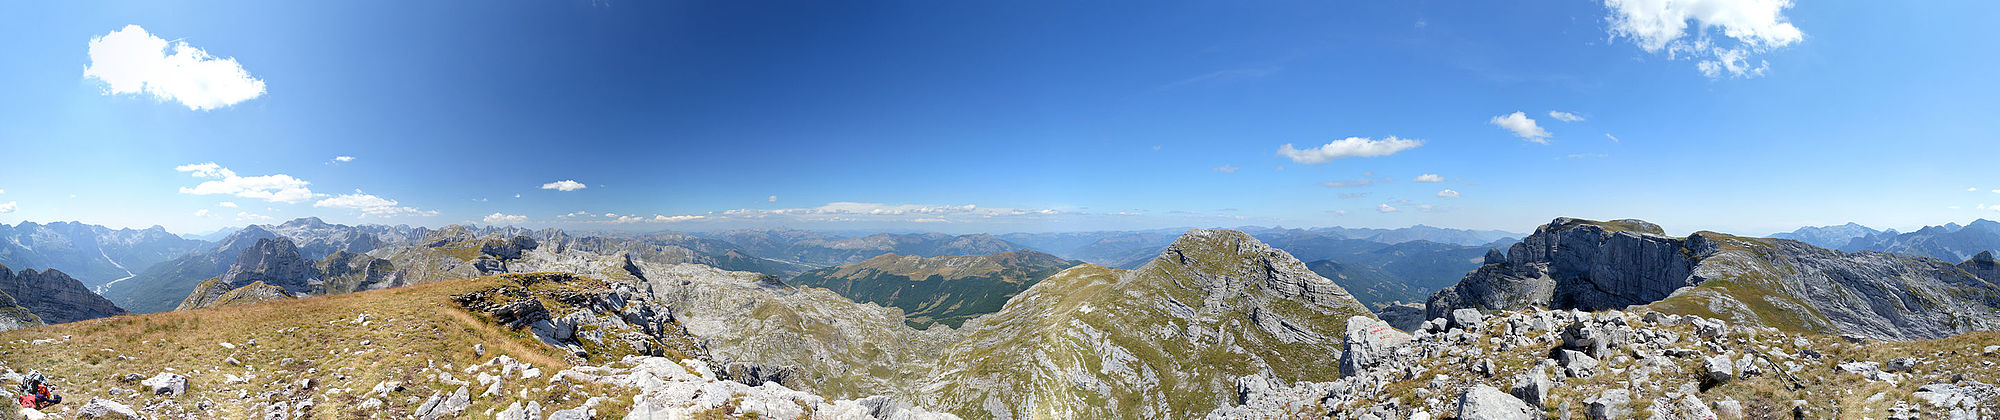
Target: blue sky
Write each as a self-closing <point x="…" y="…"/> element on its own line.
<point x="999" y="116"/>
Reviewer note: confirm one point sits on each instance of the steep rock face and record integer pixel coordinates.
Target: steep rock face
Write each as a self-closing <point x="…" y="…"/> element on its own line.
<point x="948" y="290"/>
<point x="54" y="297"/>
<point x="1581" y="264"/>
<point x="1166" y="340"/>
<point x="1578" y="264"/>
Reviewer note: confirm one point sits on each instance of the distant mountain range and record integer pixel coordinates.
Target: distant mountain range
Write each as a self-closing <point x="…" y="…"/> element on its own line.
<point x="92" y="254"/>
<point x="1950" y="242"/>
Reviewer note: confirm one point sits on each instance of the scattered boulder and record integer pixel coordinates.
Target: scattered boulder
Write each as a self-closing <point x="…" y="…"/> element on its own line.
<point x="1900" y="364"/>
<point x="1488" y="403"/>
<point x="1610" y="404"/>
<point x="1369" y="342"/>
<point x="1718" y="370"/>
<point x="516" y="411"/>
<point x="1534" y="387"/>
<point x="168" y="384"/>
<point x="1729" y="408"/>
<point x="1467" y="319"/>
<point x="99" y="408"/>
<point x="1576" y="364"/>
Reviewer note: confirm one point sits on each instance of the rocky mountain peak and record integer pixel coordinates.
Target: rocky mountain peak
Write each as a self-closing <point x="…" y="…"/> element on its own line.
<point x="54" y="296"/>
<point x="1984" y="258"/>
<point x="1225" y="263"/>
<point x="307" y="223"/>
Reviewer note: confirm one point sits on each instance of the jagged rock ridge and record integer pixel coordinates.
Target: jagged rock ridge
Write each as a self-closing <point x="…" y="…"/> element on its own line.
<point x="52" y="297"/>
<point x="1582" y="264"/>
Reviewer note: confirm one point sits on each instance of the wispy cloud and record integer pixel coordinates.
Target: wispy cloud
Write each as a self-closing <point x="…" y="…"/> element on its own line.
<point x="1226" y="75"/>
<point x="1522" y="126"/>
<point x="1565" y="116"/>
<point x="1614" y="139"/>
<point x="8" y="207"/>
<point x="340" y="159"/>
<point x="132" y="61"/>
<point x="1385" y="208"/>
<point x="248" y="216"/>
<point x="278" y="188"/>
<point x="1347" y="148"/>
<point x="1353" y="182"/>
<point x="1448" y="194"/>
<point x="1227" y="169"/>
<point x="1429" y="178"/>
<point x="1585" y="156"/>
<point x="1353" y="195"/>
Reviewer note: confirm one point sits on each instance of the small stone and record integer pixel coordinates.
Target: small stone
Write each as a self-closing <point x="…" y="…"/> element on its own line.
<point x="1729" y="408"/>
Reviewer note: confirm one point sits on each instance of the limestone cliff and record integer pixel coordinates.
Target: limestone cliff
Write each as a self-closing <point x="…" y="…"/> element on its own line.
<point x="1590" y="265"/>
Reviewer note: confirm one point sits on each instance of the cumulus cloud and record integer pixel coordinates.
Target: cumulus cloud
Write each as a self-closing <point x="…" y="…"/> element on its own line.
<point x="1448" y="194"/>
<point x="8" y="207"/>
<point x="1748" y="28"/>
<point x="564" y="185"/>
<point x="504" y="219"/>
<point x="1967" y="189"/>
<point x="1565" y="116"/>
<point x="1429" y="178"/>
<point x="278" y="188"/>
<point x="1347" y="148"/>
<point x="1385" y="208"/>
<point x="773" y="199"/>
<point x="229" y="204"/>
<point x="1522" y="126"/>
<point x="131" y="61"/>
<point x="341" y="159"/>
<point x="1227" y="169"/>
<point x="371" y="205"/>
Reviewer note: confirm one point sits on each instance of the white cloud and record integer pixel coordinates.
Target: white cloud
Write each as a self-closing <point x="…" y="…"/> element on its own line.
<point x="1347" y="148"/>
<point x="1424" y="207"/>
<point x="244" y="215"/>
<point x="773" y="199"/>
<point x="1340" y="212"/>
<point x="8" y="207"/>
<point x="131" y="61"/>
<point x="504" y="219"/>
<point x="279" y="188"/>
<point x="1385" y="208"/>
<point x="671" y="219"/>
<point x="1519" y="123"/>
<point x="201" y="213"/>
<point x="229" y="204"/>
<point x="1565" y="116"/>
<point x="370" y="205"/>
<point x="1614" y="139"/>
<point x="3" y="191"/>
<point x="1429" y="178"/>
<point x="1448" y="194"/>
<point x="1750" y="27"/>
<point x="1585" y="155"/>
<point x="341" y="159"/>
<point x="563" y="185"/>
<point x="1971" y="189"/>
<point x="1227" y="169"/>
<point x="1352" y="195"/>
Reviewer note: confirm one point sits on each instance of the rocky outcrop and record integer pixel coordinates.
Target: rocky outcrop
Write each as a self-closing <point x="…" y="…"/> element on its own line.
<point x="52" y="296"/>
<point x="1982" y="266"/>
<point x="14" y="317"/>
<point x="1589" y="265"/>
<point x="1581" y="264"/>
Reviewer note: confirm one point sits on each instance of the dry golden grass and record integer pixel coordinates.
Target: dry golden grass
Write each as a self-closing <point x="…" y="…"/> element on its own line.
<point x="409" y="330"/>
